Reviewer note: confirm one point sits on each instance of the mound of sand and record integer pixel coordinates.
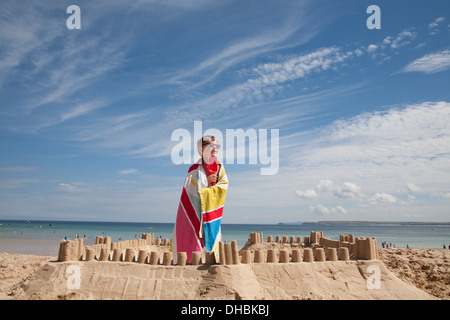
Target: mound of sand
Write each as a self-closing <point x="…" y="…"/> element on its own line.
<point x="404" y="274"/>
<point x="122" y="280"/>
<point x="15" y="268"/>
<point x="426" y="269"/>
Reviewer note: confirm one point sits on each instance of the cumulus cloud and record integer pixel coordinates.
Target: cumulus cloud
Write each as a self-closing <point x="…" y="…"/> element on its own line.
<point x="414" y="131"/>
<point x="307" y="194"/>
<point x="430" y="63"/>
<point x="339" y="210"/>
<point x="371" y="48"/>
<point x="321" y="210"/>
<point x="348" y="190"/>
<point x="382" y="159"/>
<point x="412" y="188"/>
<point x="383" y="198"/>
<point x="324" y="185"/>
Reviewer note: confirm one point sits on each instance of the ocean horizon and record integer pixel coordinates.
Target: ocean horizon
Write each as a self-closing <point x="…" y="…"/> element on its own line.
<point x="42" y="237"/>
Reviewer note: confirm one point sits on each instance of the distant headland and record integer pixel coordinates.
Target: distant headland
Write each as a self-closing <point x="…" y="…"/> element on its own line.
<point x="365" y="223"/>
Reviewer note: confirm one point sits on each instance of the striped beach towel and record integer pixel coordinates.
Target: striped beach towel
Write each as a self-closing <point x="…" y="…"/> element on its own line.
<point x="199" y="213"/>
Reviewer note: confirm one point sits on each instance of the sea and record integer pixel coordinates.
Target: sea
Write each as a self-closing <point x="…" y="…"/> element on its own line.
<point x="43" y="237"/>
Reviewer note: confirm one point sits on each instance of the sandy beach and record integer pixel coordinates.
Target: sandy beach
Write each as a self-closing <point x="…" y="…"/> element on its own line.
<point x="427" y="269"/>
<point x="405" y="274"/>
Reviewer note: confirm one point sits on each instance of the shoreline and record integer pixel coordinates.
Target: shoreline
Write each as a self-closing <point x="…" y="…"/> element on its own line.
<point x="29" y="247"/>
<point x="43" y="237"/>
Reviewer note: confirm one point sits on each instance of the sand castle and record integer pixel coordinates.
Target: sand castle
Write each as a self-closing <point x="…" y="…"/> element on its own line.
<point x="281" y="267"/>
<point x="284" y="249"/>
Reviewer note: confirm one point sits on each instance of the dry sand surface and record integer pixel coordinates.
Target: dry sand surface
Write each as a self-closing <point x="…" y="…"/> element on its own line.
<point x="405" y="274"/>
<point x="428" y="270"/>
<point x="16" y="268"/>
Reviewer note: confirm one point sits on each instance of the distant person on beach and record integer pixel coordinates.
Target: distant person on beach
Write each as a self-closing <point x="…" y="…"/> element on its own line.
<point x="199" y="215"/>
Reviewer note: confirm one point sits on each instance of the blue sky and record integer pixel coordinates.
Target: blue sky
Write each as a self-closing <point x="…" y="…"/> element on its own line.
<point x="86" y="116"/>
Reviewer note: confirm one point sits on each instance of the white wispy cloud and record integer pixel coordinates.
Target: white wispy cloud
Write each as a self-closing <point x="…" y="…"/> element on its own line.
<point x="76" y="67"/>
<point x="66" y="187"/>
<point x="402" y="39"/>
<point x="433" y="26"/>
<point x="430" y="63"/>
<point x="18" y="169"/>
<point x="16" y="183"/>
<point x="82" y="109"/>
<point x="436" y="22"/>
<point x="22" y="32"/>
<point x="266" y="80"/>
<point x="128" y="171"/>
<point x="70" y="64"/>
<point x="288" y="26"/>
<point x="78" y="187"/>
<point x="96" y="201"/>
<point x="234" y="54"/>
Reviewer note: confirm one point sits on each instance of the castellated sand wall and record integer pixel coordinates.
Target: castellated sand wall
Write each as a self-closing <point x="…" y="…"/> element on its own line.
<point x="281" y="249"/>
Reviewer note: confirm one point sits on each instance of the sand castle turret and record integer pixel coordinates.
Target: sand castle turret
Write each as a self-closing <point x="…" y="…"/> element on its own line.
<point x="246" y="256"/>
<point x="196" y="258"/>
<point x="255" y="237"/>
<point x="366" y="249"/>
<point x="259" y="256"/>
<point x="297" y="255"/>
<point x="331" y="254"/>
<point x="70" y="250"/>
<point x="315" y="237"/>
<point x="319" y="254"/>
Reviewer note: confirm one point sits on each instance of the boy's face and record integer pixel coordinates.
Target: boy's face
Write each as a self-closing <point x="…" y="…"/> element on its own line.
<point x="210" y="149"/>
